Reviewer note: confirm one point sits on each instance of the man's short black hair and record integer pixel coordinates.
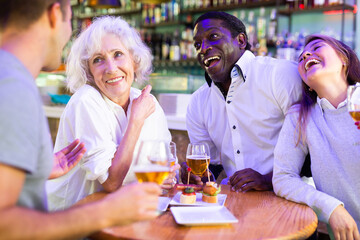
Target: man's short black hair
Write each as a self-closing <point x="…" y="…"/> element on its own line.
<point x="23" y="13"/>
<point x="233" y="24"/>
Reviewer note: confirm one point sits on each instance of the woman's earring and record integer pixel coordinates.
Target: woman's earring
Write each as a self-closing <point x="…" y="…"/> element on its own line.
<point x="310" y="89"/>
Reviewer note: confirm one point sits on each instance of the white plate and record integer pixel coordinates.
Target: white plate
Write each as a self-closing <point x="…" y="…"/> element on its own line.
<point x="176" y="201"/>
<point x="163" y="203"/>
<point x="203" y="216"/>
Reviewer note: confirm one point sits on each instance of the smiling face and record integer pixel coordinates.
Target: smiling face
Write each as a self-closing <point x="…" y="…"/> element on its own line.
<point x="113" y="69"/>
<point x="217" y="52"/>
<point x="319" y="63"/>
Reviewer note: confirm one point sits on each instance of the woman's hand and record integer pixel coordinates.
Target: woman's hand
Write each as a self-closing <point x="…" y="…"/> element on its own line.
<point x="67" y="158"/>
<point x="143" y="106"/>
<point x="171" y="179"/>
<point x="343" y="225"/>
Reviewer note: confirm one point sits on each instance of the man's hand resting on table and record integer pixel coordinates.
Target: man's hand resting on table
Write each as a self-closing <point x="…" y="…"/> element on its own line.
<point x="249" y="179"/>
<point x="194" y="179"/>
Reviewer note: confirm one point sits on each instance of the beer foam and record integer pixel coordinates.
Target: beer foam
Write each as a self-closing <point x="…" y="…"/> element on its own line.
<point x="151" y="168"/>
<point x="198" y="157"/>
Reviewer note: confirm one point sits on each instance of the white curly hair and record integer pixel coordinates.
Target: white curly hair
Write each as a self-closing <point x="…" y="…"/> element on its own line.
<point x="89" y="42"/>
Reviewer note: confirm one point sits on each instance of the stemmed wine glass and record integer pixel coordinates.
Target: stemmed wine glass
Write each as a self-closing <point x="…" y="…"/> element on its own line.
<point x="198" y="157"/>
<point x="173" y="161"/>
<point x="152" y="163"/>
<point x="173" y="157"/>
<point x="353" y="101"/>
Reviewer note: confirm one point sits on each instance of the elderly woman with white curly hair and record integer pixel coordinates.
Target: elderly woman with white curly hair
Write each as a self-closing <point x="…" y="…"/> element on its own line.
<point x="105" y="112"/>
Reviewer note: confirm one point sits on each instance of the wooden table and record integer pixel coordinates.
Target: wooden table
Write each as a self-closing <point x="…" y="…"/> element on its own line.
<point x="261" y="215"/>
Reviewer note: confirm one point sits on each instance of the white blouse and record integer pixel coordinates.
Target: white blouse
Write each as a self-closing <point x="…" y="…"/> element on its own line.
<point x="100" y="124"/>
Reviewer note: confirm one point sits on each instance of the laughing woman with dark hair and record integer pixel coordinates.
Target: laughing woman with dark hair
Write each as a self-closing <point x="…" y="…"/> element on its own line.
<point x="321" y="125"/>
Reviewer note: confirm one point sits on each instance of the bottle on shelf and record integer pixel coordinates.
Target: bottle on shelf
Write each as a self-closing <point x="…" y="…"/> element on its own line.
<point x="183" y="45"/>
<point x="229" y="2"/>
<point x="262" y="48"/>
<point x="157" y="14"/>
<point x="335" y="2"/>
<point x="159" y="42"/>
<point x="151" y="13"/>
<point x="261" y="24"/>
<point x="309" y="3"/>
<point x="164" y="12"/>
<point x="199" y="4"/>
<point x="251" y="31"/>
<point x="145" y="14"/>
<point x="319" y="3"/>
<point x="242" y="17"/>
<point x="271" y="33"/>
<point x="285" y="48"/>
<point x="175" y="5"/>
<point x="184" y="4"/>
<point x="206" y="3"/>
<point x="166" y="43"/>
<point x="174" y="54"/>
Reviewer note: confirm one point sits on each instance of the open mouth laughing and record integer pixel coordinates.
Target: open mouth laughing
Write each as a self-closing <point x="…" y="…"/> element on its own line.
<point x="311" y="63"/>
<point x="211" y="61"/>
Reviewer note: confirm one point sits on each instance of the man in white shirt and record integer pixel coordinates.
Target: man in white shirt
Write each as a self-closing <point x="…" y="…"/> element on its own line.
<point x="240" y="110"/>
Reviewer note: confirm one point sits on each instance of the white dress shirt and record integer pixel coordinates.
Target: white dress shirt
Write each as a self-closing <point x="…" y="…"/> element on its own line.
<point x="242" y="130"/>
<point x="100" y="124"/>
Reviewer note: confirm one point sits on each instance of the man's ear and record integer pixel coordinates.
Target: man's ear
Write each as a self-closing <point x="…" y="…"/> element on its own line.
<point x="242" y="40"/>
<point x="54" y="14"/>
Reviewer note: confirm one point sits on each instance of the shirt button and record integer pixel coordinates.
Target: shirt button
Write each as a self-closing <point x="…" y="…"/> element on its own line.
<point x="238" y="151"/>
<point x="228" y="102"/>
<point x="234" y="127"/>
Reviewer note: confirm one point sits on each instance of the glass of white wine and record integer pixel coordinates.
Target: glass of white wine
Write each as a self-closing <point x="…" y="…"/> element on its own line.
<point x="198" y="157"/>
<point x="152" y="163"/>
<point x="353" y="101"/>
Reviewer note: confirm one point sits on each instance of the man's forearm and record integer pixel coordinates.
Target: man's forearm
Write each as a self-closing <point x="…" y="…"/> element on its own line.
<point x="22" y="223"/>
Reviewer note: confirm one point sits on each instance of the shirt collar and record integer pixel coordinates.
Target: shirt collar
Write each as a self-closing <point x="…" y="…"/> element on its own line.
<point x="240" y="67"/>
<point x="115" y="107"/>
<point x="325" y="104"/>
<point x="244" y="62"/>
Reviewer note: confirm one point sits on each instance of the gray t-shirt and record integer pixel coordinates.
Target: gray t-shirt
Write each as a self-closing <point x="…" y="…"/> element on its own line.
<point x="25" y="140"/>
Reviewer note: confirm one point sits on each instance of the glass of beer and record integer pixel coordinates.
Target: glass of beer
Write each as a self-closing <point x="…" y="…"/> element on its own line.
<point x="198" y="157"/>
<point x="353" y="101"/>
<point x="173" y="156"/>
<point x="152" y="163"/>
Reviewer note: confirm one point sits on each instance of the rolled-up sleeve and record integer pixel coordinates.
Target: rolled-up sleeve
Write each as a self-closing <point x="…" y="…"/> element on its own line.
<point x="87" y="120"/>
